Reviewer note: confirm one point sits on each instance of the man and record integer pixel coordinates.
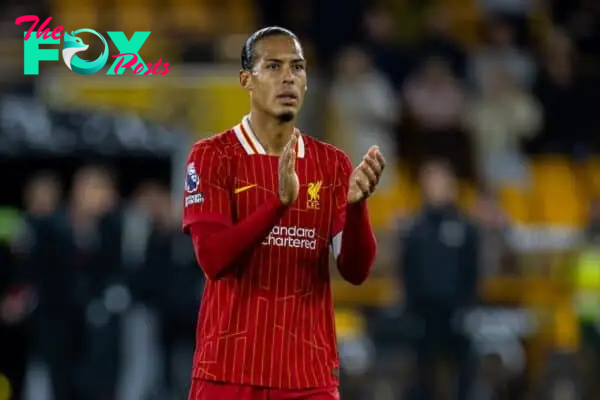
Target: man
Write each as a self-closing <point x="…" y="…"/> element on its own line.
<point x="93" y="229"/>
<point x="21" y="252"/>
<point x="174" y="290"/>
<point x="439" y="275"/>
<point x="263" y="204"/>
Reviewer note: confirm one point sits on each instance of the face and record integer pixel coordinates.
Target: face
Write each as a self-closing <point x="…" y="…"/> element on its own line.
<point x="277" y="83"/>
<point x="439" y="184"/>
<point x="353" y="62"/>
<point x="380" y="26"/>
<point x="42" y="196"/>
<point x="93" y="192"/>
<point x="501" y="34"/>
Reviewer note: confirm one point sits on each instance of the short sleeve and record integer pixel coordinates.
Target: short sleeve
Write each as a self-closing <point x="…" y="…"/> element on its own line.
<point x="340" y="194"/>
<point x="206" y="196"/>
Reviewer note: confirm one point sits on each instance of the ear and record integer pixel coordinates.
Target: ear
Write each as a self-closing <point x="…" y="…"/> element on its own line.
<point x="245" y="79"/>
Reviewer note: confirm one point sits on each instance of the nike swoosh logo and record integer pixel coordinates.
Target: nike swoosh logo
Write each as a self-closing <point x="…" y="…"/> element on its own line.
<point x="243" y="188"/>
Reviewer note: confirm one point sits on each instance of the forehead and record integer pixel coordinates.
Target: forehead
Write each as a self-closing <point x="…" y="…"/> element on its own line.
<point x="436" y="171"/>
<point x="279" y="47"/>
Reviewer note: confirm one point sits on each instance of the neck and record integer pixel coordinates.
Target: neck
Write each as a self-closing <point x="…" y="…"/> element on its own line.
<point x="271" y="133"/>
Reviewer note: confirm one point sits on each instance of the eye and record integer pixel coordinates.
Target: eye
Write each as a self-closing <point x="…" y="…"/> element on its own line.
<point x="299" y="67"/>
<point x="272" y="66"/>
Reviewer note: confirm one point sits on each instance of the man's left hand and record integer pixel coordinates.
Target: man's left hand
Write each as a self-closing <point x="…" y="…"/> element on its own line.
<point x="364" y="179"/>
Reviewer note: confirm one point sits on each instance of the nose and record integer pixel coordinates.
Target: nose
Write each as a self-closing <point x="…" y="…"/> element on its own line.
<point x="288" y="75"/>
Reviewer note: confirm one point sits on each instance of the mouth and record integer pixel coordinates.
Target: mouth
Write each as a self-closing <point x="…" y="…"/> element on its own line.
<point x="288" y="98"/>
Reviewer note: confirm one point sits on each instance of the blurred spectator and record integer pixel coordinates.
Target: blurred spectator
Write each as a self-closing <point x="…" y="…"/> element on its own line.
<point x="438" y="42"/>
<point x="139" y="215"/>
<point x="582" y="19"/>
<point x="569" y="118"/>
<point x="501" y="50"/>
<point x="65" y="277"/>
<point x="94" y="224"/>
<point x="47" y="285"/>
<point x="500" y="116"/>
<point x="368" y="118"/>
<point x="176" y="285"/>
<point x="41" y="198"/>
<point x="439" y="275"/>
<point x="381" y="44"/>
<point x="435" y="102"/>
<point x="72" y="266"/>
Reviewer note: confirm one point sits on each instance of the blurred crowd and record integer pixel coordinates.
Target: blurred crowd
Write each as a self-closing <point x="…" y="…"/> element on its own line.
<point x="81" y="263"/>
<point x="488" y="222"/>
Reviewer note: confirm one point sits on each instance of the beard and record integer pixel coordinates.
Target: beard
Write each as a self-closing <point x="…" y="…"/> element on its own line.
<point x="286" y="116"/>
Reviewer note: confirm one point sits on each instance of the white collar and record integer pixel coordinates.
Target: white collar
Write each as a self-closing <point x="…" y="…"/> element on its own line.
<point x="244" y="133"/>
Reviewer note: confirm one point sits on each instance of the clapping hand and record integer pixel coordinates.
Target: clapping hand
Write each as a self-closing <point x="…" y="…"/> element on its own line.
<point x="364" y="179"/>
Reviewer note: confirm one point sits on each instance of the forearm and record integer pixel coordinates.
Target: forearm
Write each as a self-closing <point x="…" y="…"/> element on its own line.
<point x="218" y="246"/>
<point x="359" y="247"/>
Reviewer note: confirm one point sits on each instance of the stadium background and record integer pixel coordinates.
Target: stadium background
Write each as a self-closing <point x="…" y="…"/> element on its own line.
<point x="424" y="76"/>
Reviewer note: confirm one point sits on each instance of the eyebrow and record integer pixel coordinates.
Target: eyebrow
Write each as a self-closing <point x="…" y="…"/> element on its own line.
<point x="293" y="60"/>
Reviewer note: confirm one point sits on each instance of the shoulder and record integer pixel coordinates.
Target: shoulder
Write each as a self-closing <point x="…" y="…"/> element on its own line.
<point x="216" y="150"/>
<point x="326" y="152"/>
<point x="221" y="143"/>
<point x="410" y="224"/>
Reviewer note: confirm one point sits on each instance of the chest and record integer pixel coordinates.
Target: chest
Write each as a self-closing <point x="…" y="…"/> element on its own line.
<point x="256" y="181"/>
<point x="449" y="234"/>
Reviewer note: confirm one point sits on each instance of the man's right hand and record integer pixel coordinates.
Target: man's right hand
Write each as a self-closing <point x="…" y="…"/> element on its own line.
<point x="289" y="185"/>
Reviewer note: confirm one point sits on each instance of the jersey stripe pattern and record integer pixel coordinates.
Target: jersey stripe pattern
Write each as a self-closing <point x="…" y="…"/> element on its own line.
<point x="270" y="321"/>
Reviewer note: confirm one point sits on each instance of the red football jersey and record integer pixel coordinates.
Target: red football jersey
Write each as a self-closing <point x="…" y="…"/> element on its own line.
<point x="269" y="322"/>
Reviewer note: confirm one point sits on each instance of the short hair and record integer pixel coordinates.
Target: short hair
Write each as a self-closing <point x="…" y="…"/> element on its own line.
<point x="247" y="58"/>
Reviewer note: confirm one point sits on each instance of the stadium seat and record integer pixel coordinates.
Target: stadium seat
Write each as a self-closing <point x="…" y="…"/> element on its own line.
<point x="467" y="195"/>
<point x="192" y="14"/>
<point x="135" y="15"/>
<point x="240" y="14"/>
<point x="556" y="193"/>
<point x="516" y="203"/>
<point x="73" y="14"/>
<point x="383" y="206"/>
<point x="593" y="175"/>
<point x="348" y="323"/>
<point x="223" y="102"/>
<point x="406" y="196"/>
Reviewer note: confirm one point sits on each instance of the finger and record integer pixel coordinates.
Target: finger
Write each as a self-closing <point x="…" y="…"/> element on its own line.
<point x="380" y="159"/>
<point x="363" y="186"/>
<point x="374" y="165"/>
<point x="290" y="145"/>
<point x="291" y="162"/>
<point x="284" y="158"/>
<point x="371" y="175"/>
<point x="372" y="150"/>
<point x="293" y="140"/>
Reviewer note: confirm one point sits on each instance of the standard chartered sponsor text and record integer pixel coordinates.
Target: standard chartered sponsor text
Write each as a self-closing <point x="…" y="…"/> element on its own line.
<point x="292" y="236"/>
